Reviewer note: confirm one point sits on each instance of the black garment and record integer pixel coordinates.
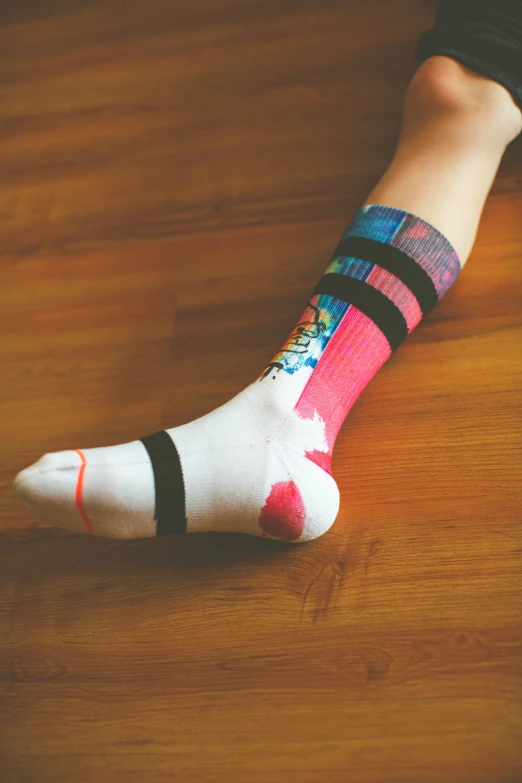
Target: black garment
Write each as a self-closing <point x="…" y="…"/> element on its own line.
<point x="484" y="35"/>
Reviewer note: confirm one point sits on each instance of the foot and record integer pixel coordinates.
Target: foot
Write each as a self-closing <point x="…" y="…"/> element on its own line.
<point x="244" y="470"/>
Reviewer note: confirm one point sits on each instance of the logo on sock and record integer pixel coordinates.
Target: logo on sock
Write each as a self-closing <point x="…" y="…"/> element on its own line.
<point x="291" y="355"/>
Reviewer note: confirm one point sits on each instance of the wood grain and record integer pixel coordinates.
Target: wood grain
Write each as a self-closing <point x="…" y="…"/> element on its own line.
<point x="174" y="177"/>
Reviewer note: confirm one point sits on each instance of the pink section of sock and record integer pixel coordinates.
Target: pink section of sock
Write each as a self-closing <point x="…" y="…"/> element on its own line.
<point x="350" y="360"/>
<point x="283" y="515"/>
<point x="418" y="230"/>
<point x="398" y="293"/>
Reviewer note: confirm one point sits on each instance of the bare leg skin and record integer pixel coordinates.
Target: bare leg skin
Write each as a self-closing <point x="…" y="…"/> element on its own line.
<point x="456" y="127"/>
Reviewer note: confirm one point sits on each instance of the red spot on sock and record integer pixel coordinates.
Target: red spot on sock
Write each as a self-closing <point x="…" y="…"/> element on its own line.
<point x="283" y="515"/>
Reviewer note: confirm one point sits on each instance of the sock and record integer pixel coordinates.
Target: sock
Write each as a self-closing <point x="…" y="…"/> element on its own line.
<point x="261" y="463"/>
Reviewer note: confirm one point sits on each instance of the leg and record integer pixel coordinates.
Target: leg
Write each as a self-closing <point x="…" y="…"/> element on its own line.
<point x="261" y="464"/>
<point x="456" y="127"/>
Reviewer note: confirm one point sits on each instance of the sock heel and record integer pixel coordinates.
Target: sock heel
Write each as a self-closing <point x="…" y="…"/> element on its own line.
<point x="302" y="500"/>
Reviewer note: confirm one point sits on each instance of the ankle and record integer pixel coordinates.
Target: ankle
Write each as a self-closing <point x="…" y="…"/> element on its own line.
<point x="479" y="108"/>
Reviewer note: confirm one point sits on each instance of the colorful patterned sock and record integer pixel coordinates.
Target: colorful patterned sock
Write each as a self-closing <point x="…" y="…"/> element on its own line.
<point x="261" y="463"/>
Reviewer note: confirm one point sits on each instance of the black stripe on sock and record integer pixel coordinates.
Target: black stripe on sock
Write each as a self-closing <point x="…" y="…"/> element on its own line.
<point x="395" y="261"/>
<point x="168" y="483"/>
<point x="370" y="301"/>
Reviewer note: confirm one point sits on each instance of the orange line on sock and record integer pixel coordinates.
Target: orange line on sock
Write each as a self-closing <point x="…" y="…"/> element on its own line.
<point x="79" y="490"/>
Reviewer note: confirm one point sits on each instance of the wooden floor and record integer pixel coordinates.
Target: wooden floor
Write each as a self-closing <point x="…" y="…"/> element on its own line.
<point x="174" y="178"/>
